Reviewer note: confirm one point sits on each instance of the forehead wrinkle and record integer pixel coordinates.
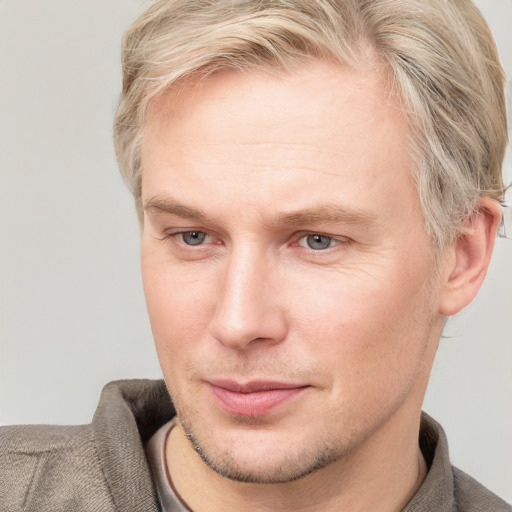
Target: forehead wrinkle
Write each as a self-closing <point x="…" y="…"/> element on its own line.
<point x="294" y="157"/>
<point x="255" y="142"/>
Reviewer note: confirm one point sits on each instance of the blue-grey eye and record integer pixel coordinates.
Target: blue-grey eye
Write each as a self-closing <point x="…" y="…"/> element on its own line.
<point x="193" y="237"/>
<point x="318" y="242"/>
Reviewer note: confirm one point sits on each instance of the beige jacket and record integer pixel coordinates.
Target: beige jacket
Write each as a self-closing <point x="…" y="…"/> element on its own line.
<point x="102" y="467"/>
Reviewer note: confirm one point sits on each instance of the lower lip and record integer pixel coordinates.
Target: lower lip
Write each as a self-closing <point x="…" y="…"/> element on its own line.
<point x="254" y="404"/>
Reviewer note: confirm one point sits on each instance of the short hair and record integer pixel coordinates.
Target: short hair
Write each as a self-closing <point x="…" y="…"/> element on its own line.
<point x="440" y="54"/>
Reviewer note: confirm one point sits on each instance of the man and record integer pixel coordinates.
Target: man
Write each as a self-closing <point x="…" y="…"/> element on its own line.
<point x="318" y="185"/>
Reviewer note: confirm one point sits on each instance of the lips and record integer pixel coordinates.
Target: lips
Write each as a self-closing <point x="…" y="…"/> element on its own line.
<point x="252" y="399"/>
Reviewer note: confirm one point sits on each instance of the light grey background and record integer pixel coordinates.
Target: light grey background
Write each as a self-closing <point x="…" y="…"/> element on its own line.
<point x="72" y="314"/>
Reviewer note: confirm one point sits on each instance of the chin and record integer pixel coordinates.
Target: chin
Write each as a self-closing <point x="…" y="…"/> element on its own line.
<point x="265" y="459"/>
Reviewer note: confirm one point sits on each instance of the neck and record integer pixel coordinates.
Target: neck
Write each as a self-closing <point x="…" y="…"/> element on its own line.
<point x="382" y="474"/>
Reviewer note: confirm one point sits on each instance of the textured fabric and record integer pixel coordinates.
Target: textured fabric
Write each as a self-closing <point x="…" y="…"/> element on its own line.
<point x="102" y="467"/>
<point x="446" y="488"/>
<point x="99" y="467"/>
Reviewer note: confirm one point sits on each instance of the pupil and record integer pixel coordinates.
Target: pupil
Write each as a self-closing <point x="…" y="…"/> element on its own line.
<point x="318" y="241"/>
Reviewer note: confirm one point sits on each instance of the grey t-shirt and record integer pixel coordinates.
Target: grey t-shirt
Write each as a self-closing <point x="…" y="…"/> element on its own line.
<point x="155" y="450"/>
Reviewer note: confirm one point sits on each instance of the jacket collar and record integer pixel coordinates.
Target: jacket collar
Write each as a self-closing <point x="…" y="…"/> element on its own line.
<point x="128" y="414"/>
<point x="130" y="411"/>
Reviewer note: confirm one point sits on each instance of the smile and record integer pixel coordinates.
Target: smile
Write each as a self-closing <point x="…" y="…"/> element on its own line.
<point x="253" y="399"/>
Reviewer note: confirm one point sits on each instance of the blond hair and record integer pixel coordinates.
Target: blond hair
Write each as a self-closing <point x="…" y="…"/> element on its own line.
<point x="441" y="57"/>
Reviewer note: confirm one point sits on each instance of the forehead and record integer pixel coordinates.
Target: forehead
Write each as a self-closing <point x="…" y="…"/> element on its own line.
<point x="316" y="86"/>
<point x="322" y="129"/>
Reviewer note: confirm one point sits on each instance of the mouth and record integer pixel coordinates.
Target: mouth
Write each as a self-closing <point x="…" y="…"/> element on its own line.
<point x="255" y="398"/>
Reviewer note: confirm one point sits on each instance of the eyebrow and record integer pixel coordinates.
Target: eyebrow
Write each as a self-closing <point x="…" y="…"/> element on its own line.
<point x="159" y="205"/>
<point x="324" y="214"/>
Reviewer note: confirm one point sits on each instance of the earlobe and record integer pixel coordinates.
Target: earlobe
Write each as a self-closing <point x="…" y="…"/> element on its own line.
<point x="468" y="257"/>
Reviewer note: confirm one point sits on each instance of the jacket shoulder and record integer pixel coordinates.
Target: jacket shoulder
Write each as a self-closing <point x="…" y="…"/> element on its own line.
<point x="471" y="496"/>
<point x="55" y="468"/>
<point x="40" y="438"/>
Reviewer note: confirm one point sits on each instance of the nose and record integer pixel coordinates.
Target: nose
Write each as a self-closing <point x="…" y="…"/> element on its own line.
<point x="248" y="308"/>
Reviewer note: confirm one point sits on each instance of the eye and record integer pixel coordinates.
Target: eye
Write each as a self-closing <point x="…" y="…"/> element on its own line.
<point x="317" y="242"/>
<point x="193" y="237"/>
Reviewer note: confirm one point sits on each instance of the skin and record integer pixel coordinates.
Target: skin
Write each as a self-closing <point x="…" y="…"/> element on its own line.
<point x="238" y="177"/>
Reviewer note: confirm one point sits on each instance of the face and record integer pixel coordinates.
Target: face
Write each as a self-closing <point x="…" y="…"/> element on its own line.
<point x="288" y="276"/>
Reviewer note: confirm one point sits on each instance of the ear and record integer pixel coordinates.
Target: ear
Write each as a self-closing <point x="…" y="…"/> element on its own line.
<point x="468" y="257"/>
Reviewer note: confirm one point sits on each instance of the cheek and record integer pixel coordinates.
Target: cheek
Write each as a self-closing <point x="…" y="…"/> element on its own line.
<point x="179" y="306"/>
<point x="370" y="352"/>
<point x="368" y="331"/>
